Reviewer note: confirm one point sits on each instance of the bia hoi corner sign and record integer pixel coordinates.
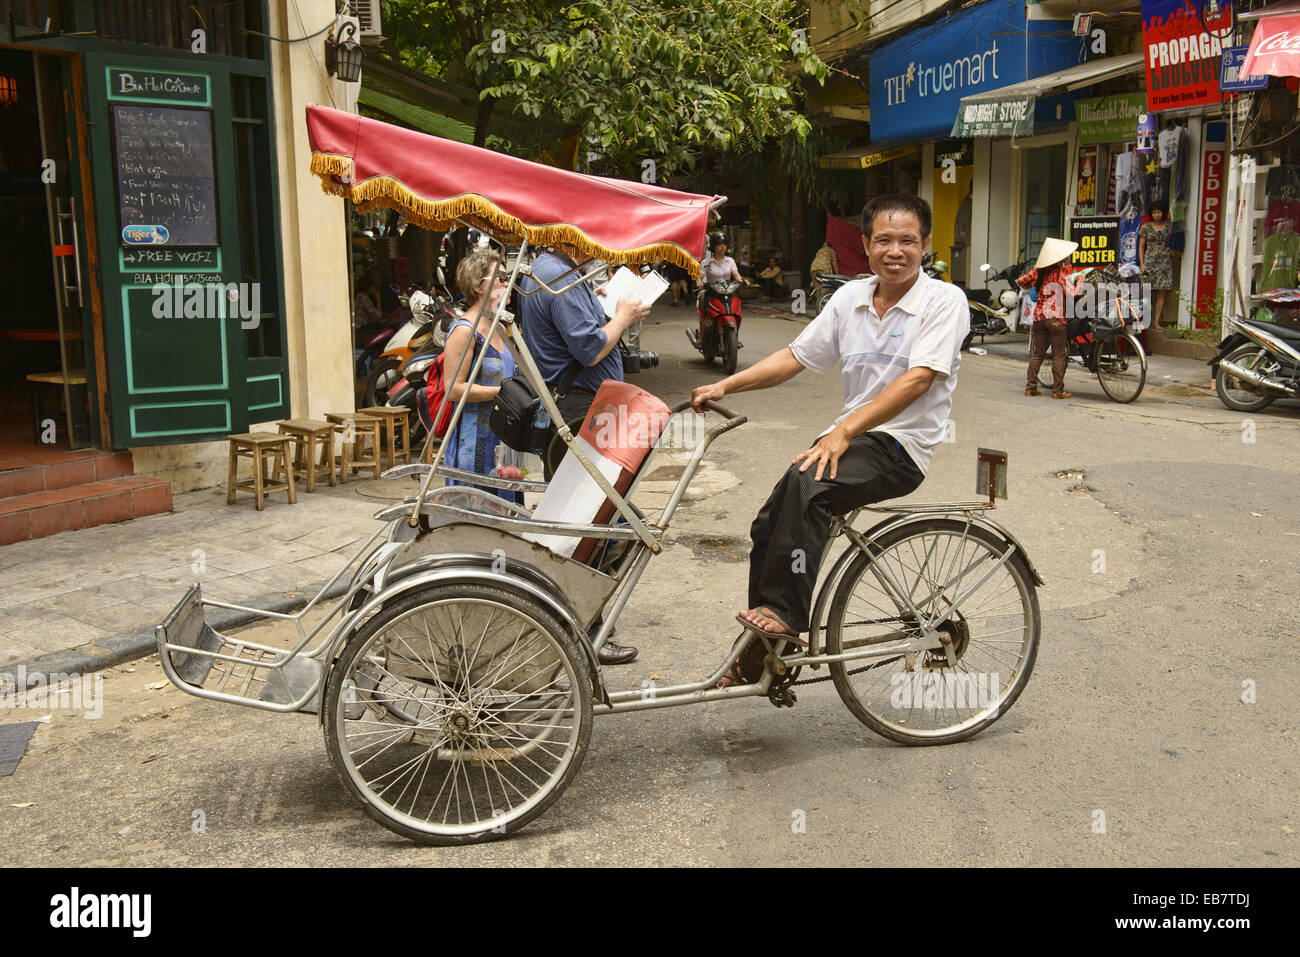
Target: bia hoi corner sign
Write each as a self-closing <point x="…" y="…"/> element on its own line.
<point x="1183" y="52"/>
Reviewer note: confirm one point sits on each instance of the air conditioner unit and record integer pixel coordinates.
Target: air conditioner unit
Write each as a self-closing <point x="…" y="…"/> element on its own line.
<point x="369" y="22"/>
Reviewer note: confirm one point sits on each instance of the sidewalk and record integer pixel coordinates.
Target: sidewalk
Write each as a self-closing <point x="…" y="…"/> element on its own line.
<point x="1161" y="370"/>
<point x="82" y="600"/>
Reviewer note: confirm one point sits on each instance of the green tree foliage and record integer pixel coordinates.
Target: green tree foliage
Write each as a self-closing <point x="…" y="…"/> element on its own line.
<point x="651" y="79"/>
<point x="437" y="37"/>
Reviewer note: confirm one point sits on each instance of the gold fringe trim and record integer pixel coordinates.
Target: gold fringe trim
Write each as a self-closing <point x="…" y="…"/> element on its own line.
<point x="385" y="192"/>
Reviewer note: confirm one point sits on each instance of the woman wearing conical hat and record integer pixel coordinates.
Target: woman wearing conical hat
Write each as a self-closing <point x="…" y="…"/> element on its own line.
<point x="1053" y="279"/>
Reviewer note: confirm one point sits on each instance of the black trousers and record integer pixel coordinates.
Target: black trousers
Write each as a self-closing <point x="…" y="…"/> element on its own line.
<point x="791" y="530"/>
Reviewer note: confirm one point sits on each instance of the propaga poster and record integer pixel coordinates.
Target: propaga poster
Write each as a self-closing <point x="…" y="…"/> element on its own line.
<point x="1183" y="47"/>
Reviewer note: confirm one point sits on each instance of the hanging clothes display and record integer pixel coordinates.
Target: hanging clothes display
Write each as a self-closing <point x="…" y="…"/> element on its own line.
<point x="1178" y="191"/>
<point x="1281" y="250"/>
<point x="1128" y="178"/>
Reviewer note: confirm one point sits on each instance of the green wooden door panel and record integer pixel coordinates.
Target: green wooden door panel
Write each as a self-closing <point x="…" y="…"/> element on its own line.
<point x="169" y="360"/>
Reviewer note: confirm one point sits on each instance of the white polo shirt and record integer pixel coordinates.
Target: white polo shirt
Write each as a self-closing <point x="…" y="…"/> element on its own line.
<point x="925" y="328"/>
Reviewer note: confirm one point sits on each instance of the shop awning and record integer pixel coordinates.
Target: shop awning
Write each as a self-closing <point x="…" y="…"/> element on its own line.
<point x="1009" y="111"/>
<point x="864" y="157"/>
<point x="1275" y="47"/>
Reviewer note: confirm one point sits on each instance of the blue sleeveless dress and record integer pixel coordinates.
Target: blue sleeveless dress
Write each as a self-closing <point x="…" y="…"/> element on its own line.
<point x="472" y="446"/>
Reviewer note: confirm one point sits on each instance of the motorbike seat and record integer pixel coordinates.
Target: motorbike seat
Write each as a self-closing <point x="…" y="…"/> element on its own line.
<point x="982" y="296"/>
<point x="1282" y="332"/>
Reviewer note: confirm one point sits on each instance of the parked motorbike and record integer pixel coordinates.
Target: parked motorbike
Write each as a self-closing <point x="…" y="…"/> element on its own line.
<point x="719" y="330"/>
<point x="1259" y="362"/>
<point x="432" y="315"/>
<point x="989" y="314"/>
<point x="829" y="283"/>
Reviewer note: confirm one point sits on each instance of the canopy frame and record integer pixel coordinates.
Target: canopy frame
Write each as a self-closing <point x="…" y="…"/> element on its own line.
<point x="502" y="319"/>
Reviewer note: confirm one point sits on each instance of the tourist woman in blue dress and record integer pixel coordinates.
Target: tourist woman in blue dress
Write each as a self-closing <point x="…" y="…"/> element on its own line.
<point x="471" y="446"/>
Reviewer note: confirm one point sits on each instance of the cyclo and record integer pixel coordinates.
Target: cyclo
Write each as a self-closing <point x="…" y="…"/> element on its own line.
<point x="454" y="679"/>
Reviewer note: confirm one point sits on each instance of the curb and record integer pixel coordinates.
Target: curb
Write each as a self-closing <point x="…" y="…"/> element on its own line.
<point x="107" y="652"/>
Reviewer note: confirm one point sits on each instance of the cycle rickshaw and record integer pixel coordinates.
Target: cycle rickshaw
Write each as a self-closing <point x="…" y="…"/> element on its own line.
<point x="455" y="679"/>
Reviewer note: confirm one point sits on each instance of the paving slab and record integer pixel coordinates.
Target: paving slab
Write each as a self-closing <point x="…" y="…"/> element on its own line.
<point x="108" y="586"/>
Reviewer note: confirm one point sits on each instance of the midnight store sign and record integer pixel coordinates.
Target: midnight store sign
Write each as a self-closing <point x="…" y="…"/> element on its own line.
<point x="1182" y="55"/>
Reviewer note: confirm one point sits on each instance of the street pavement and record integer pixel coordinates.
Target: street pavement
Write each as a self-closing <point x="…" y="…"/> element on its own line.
<point x="1158" y="727"/>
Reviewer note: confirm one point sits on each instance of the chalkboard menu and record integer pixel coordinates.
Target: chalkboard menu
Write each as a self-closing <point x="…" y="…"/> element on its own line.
<point x="165" y="188"/>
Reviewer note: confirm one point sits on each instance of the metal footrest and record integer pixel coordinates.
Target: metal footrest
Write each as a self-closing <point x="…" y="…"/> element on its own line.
<point x="199" y="659"/>
<point x="293" y="680"/>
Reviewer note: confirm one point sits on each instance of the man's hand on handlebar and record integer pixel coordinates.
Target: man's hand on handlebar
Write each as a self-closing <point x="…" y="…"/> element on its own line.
<point x="705" y="393"/>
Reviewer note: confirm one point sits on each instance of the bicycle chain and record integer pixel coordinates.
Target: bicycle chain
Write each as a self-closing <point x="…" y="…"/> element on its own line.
<point x="847" y="674"/>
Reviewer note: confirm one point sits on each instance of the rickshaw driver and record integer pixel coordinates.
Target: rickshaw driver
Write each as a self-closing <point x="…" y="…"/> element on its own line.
<point x="897" y="335"/>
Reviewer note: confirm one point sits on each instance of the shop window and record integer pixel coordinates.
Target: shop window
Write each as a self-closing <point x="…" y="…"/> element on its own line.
<point x="257" y="221"/>
<point x="1044" y="196"/>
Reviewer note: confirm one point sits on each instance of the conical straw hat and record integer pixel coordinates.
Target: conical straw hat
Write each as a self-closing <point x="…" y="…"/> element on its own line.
<point x="1053" y="251"/>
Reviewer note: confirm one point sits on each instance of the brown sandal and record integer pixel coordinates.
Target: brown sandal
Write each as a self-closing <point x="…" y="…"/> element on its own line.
<point x="1062" y="395"/>
<point x="1032" y="392"/>
<point x="785" y="631"/>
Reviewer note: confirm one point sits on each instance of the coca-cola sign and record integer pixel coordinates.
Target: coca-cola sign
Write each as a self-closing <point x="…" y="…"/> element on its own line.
<point x="1275" y="48"/>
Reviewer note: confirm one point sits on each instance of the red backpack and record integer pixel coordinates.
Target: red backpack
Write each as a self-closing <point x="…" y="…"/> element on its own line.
<point x="434" y="393"/>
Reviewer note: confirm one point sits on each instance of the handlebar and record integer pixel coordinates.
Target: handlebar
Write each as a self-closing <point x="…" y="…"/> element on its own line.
<point x="710" y="405"/>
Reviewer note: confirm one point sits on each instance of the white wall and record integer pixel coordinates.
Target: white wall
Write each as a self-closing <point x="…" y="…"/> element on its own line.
<point x="313" y="223"/>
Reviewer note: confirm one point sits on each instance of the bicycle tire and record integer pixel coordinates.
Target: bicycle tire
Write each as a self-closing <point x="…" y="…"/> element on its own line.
<point x="874" y="715"/>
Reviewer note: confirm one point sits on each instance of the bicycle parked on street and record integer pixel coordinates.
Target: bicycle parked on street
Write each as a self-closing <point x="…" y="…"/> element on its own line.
<point x="1103" y="342"/>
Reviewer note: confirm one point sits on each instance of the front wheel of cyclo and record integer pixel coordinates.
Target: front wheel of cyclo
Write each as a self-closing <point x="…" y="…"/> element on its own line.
<point x="459" y="713"/>
<point x="919" y="697"/>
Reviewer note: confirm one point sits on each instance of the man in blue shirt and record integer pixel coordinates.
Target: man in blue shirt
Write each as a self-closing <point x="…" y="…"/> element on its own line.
<point x="573" y="327"/>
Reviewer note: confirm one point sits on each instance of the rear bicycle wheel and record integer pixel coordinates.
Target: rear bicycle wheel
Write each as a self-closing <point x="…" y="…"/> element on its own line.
<point x="458" y="714"/>
<point x="1121" y="366"/>
<point x="987" y="613"/>
<point x="1045" y="372"/>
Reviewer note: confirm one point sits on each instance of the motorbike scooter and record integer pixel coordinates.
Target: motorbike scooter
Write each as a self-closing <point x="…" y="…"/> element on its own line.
<point x="988" y="317"/>
<point x="432" y="316"/>
<point x="719" y="331"/>
<point x="1260" y="361"/>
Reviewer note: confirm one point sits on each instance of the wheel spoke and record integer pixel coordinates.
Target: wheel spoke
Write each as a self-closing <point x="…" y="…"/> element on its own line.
<point x="487" y="680"/>
<point x="963" y="579"/>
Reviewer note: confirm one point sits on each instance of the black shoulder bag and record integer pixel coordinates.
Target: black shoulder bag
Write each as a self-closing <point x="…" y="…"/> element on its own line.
<point x="516" y="409"/>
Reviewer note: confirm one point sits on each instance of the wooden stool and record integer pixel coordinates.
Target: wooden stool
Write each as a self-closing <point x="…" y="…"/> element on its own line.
<point x="259" y="446"/>
<point x="78" y="415"/>
<point x="395" y="429"/>
<point x="307" y="434"/>
<point x="355" y="455"/>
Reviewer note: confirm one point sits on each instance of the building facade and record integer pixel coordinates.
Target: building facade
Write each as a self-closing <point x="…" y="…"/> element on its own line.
<point x="176" y="253"/>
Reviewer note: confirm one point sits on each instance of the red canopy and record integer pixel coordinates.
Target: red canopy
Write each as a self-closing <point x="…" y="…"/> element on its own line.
<point x="435" y="181"/>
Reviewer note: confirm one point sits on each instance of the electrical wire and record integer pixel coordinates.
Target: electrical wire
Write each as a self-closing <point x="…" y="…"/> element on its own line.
<point x="310" y="36"/>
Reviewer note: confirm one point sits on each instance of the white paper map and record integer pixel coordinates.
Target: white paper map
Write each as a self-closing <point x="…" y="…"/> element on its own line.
<point x="625" y="284"/>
